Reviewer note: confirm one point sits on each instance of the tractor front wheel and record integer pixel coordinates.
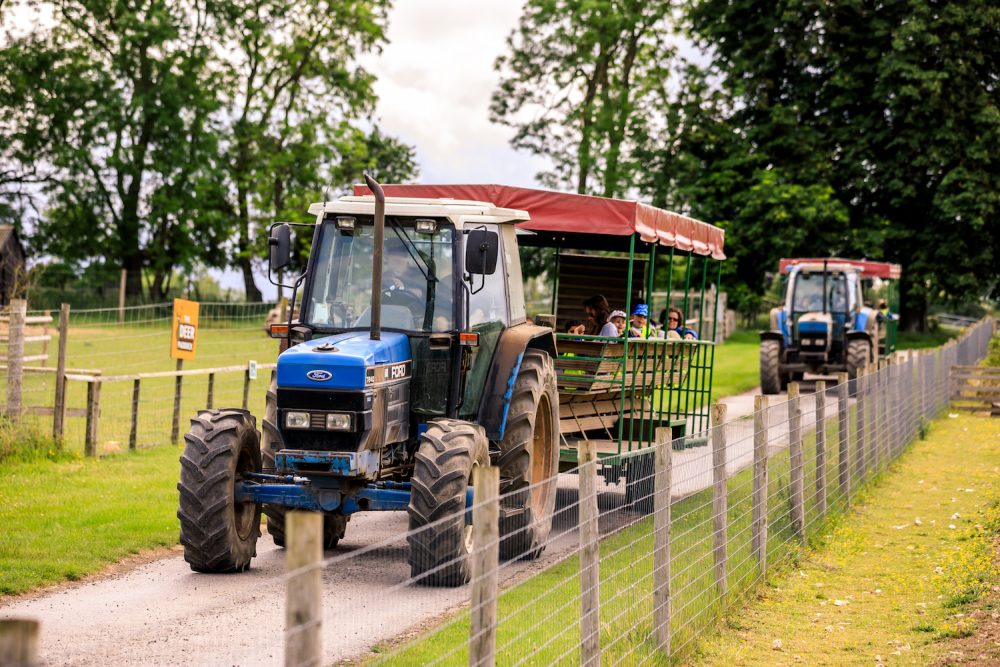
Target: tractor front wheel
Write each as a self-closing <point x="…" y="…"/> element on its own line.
<point x="440" y="539"/>
<point x="529" y="459"/>
<point x="770" y="367"/>
<point x="218" y="533"/>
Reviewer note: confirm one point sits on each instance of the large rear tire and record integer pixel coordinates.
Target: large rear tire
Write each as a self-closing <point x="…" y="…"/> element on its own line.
<point x="270" y="444"/>
<point x="440" y="540"/>
<point x="770" y="367"/>
<point x="529" y="459"/>
<point x="858" y="355"/>
<point x="218" y="534"/>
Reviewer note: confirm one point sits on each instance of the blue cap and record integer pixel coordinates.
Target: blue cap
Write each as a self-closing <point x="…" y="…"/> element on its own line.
<point x="641" y="309"/>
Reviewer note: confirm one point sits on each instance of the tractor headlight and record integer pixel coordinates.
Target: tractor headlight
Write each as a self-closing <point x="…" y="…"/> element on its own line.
<point x="296" y="420"/>
<point x="338" y="422"/>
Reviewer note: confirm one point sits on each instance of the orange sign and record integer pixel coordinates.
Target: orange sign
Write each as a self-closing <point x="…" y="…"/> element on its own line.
<point x="185" y="330"/>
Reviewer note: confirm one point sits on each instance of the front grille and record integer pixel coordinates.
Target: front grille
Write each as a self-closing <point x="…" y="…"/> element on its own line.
<point x="323" y="399"/>
<point x="317" y="420"/>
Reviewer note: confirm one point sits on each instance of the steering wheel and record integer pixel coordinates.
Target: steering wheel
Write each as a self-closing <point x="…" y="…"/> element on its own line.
<point x="403" y="297"/>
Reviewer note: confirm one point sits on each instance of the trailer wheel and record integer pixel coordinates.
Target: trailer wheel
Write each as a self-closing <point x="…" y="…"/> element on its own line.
<point x="858" y="354"/>
<point x="529" y="459"/>
<point x="640" y="484"/>
<point x="218" y="533"/>
<point x="440" y="540"/>
<point x="270" y="444"/>
<point x="770" y="367"/>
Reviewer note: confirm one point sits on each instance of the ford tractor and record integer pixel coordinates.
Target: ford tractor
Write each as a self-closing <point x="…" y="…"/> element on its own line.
<point x="411" y="362"/>
<point x="824" y="325"/>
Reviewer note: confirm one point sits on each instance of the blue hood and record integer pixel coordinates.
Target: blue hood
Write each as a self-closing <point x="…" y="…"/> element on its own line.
<point x="343" y="368"/>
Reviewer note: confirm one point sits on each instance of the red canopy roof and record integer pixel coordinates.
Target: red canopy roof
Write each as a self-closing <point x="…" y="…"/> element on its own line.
<point x="868" y="269"/>
<point x="580" y="214"/>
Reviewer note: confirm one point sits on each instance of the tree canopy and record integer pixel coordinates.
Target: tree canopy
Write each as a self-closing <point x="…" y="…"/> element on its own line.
<point x="169" y="132"/>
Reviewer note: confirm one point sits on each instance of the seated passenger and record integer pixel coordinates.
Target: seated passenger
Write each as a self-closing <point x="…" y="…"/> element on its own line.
<point x="598" y="314"/>
<point x="574" y="327"/>
<point x="675" y="323"/>
<point x="640" y="323"/>
<point x="618" y="318"/>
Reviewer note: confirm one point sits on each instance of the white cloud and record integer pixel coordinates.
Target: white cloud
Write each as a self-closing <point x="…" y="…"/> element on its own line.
<point x="435" y="79"/>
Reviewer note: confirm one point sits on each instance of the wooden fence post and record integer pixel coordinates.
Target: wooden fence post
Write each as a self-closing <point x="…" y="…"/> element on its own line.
<point x="760" y="482"/>
<point x="15" y="357"/>
<point x="590" y="557"/>
<point x="176" y="421"/>
<point x="661" y="539"/>
<point x="875" y="428"/>
<point x="485" y="563"/>
<point x="720" y="499"/>
<point x="19" y="642"/>
<point x="304" y="589"/>
<point x="133" y="431"/>
<point x="59" y="405"/>
<point x="821" y="448"/>
<point x="859" y="424"/>
<point x="121" y="296"/>
<point x="246" y="388"/>
<point x="93" y="417"/>
<point x="843" y="445"/>
<point x="46" y="337"/>
<point x="211" y="391"/>
<point x="797" y="471"/>
<point x="922" y="391"/>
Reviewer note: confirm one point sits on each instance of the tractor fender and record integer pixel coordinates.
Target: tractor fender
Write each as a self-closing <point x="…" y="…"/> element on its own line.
<point x="773" y="335"/>
<point x="503" y="373"/>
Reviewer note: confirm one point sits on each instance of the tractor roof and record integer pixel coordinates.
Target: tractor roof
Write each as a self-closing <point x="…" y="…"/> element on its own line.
<point x="557" y="216"/>
<point x="456" y="209"/>
<point x="867" y="269"/>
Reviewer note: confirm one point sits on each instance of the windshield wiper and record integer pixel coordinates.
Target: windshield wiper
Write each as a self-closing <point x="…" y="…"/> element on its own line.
<point x="412" y="251"/>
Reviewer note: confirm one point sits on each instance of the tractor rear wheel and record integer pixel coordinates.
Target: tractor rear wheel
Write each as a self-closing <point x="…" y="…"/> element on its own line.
<point x="270" y="444"/>
<point x="218" y="533"/>
<point x="770" y="367"/>
<point x="529" y="459"/>
<point x="440" y="540"/>
<point x="858" y="355"/>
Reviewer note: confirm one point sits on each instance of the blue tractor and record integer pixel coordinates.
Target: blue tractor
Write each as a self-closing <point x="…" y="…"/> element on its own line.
<point x="411" y="363"/>
<point x="824" y="325"/>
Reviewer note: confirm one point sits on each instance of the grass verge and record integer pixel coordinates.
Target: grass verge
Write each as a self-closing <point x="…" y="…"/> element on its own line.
<point x="66" y="519"/>
<point x="538" y="620"/>
<point x="891" y="583"/>
<point x="736" y="365"/>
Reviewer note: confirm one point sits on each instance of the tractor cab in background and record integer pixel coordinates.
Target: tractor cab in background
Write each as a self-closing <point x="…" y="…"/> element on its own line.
<point x="829" y="322"/>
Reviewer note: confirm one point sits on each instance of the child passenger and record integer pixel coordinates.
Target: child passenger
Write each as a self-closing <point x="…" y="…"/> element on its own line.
<point x="618" y="318"/>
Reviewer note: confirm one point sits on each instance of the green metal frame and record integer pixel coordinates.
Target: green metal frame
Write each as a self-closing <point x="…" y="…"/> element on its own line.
<point x="656" y="382"/>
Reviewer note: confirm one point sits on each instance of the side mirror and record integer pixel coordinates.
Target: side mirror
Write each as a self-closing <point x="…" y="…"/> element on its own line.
<point x="481" y="251"/>
<point x="280" y="242"/>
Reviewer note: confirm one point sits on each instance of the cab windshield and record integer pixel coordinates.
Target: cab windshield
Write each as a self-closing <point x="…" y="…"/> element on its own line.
<point x="417" y="286"/>
<point x="808" y="296"/>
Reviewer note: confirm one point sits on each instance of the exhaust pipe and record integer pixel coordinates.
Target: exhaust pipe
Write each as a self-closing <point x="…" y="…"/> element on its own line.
<point x="376" y="304"/>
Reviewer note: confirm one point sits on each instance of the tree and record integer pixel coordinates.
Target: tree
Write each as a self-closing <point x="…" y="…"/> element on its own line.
<point x="109" y="112"/>
<point x="295" y="90"/>
<point x="577" y="75"/>
<point x="894" y="107"/>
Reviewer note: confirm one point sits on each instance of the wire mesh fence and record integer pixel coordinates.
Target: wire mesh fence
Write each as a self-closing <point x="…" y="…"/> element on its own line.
<point x="122" y="388"/>
<point x="645" y="552"/>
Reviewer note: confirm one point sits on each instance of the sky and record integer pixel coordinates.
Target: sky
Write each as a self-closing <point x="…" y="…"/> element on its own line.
<point x="434" y="81"/>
